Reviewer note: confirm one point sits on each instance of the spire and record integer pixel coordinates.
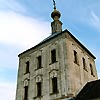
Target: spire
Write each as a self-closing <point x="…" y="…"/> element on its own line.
<point x="55" y="13"/>
<point x="54" y="3"/>
<point x="56" y="25"/>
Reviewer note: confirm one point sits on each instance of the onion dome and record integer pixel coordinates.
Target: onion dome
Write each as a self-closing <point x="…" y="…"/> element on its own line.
<point x="55" y="13"/>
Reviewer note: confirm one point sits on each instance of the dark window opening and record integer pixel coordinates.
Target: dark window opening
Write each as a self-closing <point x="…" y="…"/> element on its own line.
<point x="26" y="93"/>
<point x="53" y="56"/>
<point x="84" y="64"/>
<point x="91" y="69"/>
<point x="54" y="85"/>
<point x="39" y="89"/>
<point x="39" y="62"/>
<point x="27" y="67"/>
<point x="75" y="57"/>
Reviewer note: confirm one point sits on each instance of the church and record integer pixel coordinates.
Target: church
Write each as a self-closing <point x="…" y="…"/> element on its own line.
<point x="55" y="69"/>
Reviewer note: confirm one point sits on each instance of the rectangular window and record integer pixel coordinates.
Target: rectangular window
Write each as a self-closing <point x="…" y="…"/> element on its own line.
<point x="39" y="89"/>
<point x="84" y="64"/>
<point x="27" y="67"/>
<point x="75" y="57"/>
<point x="39" y="62"/>
<point x="54" y="85"/>
<point x="53" y="56"/>
<point x="26" y="93"/>
<point x="91" y="69"/>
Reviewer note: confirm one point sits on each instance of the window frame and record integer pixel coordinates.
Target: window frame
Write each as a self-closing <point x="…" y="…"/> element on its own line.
<point x="91" y="70"/>
<point x="39" y="62"/>
<point x="54" y="85"/>
<point x="39" y="89"/>
<point x="75" y="57"/>
<point x="84" y="64"/>
<point x="26" y="93"/>
<point x="27" y="67"/>
<point x="53" y="56"/>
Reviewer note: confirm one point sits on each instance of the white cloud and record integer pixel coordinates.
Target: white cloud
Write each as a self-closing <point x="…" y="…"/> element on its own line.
<point x="12" y="5"/>
<point x="95" y="20"/>
<point x="7" y="91"/>
<point x="17" y="32"/>
<point x="22" y="30"/>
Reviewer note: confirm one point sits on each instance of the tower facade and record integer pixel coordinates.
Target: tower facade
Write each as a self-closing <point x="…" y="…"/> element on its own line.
<point x="55" y="69"/>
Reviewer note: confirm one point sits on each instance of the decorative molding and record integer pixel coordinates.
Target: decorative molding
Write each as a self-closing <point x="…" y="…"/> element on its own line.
<point x="38" y="78"/>
<point x="26" y="82"/>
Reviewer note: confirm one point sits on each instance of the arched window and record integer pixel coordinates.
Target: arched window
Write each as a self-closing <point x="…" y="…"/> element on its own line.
<point x="39" y="89"/>
<point x="39" y="85"/>
<point x="26" y="93"/>
<point x="26" y="83"/>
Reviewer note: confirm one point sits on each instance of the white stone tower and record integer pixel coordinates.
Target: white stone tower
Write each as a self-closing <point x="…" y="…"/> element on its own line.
<point x="56" y="68"/>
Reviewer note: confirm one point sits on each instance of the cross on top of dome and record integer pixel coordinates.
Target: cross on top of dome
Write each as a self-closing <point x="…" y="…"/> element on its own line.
<point x="54" y="3"/>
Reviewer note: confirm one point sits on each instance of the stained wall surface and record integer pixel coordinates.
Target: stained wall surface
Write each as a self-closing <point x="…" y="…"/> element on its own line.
<point x="71" y="76"/>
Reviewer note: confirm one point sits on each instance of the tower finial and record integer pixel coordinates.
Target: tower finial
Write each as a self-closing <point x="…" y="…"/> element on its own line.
<point x="54" y="3"/>
<point x="56" y="25"/>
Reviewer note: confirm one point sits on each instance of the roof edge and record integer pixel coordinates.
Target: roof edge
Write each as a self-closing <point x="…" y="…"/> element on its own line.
<point x="53" y="36"/>
<point x="45" y="40"/>
<point x="88" y="51"/>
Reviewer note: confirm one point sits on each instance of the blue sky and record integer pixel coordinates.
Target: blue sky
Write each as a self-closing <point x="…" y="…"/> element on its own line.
<point x="24" y="23"/>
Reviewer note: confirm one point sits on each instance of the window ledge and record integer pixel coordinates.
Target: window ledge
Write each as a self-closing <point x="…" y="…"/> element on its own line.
<point x="38" y="68"/>
<point x="38" y="97"/>
<point x="76" y="63"/>
<point x="85" y="69"/>
<point x="26" y="73"/>
<point x="93" y="75"/>
<point x="53" y="62"/>
<point x="54" y="93"/>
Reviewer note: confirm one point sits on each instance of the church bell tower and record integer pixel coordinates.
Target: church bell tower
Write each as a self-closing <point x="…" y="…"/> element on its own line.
<point x="55" y="69"/>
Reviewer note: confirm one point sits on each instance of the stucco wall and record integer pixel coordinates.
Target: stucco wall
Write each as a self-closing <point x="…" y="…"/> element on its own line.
<point x="45" y="73"/>
<point x="78" y="75"/>
<point x="70" y="76"/>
